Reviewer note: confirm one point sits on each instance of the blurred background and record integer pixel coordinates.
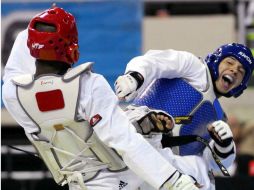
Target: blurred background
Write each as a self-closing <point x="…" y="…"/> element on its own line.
<point x="111" y="32"/>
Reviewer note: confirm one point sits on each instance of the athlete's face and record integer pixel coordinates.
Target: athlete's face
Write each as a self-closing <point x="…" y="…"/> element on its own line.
<point x="231" y="73"/>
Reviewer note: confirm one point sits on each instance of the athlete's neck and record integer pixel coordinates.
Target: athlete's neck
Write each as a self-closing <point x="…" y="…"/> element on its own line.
<point x="50" y="67"/>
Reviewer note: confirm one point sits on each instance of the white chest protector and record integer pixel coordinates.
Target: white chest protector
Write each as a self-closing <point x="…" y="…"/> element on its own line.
<point x="68" y="147"/>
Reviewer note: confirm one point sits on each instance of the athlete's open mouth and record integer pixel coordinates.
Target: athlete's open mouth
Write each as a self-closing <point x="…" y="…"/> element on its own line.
<point x="228" y="79"/>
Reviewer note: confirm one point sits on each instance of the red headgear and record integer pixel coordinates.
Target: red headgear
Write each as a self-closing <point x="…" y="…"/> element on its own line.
<point x="61" y="45"/>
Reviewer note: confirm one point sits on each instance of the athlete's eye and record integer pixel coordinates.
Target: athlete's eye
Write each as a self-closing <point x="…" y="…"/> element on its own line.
<point x="242" y="71"/>
<point x="230" y="63"/>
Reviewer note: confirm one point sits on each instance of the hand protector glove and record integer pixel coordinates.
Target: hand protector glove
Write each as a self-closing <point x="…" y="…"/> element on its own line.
<point x="221" y="133"/>
<point x="183" y="182"/>
<point x="126" y="86"/>
<point x="149" y="121"/>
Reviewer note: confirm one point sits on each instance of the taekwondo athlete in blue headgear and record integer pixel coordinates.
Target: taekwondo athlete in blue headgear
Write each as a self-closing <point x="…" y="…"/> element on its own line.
<point x="188" y="88"/>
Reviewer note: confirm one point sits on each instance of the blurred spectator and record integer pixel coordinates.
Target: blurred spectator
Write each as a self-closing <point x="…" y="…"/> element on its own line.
<point x="250" y="14"/>
<point x="162" y="13"/>
<point x="236" y="128"/>
<point x="157" y="9"/>
<point x="249" y="22"/>
<point x="245" y="158"/>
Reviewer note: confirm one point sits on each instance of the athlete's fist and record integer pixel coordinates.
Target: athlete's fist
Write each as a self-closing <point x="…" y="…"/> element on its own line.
<point x="148" y="120"/>
<point x="156" y="121"/>
<point x="126" y="85"/>
<point x="221" y="133"/>
<point x="184" y="182"/>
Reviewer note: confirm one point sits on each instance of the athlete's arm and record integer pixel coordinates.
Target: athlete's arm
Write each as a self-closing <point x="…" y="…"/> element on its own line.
<point x="159" y="64"/>
<point x="115" y="130"/>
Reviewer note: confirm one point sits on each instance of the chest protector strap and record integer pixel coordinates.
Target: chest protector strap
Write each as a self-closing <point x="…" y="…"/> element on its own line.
<point x="69" y="148"/>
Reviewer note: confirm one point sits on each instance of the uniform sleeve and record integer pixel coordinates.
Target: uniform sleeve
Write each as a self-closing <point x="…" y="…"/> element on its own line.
<point x="20" y="61"/>
<point x="170" y="64"/>
<point x="115" y="130"/>
<point x="12" y="105"/>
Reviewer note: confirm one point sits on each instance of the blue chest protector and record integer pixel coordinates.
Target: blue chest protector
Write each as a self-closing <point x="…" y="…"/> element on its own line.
<point x="179" y="98"/>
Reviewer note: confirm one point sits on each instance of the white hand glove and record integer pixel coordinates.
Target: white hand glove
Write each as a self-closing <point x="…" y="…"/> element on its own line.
<point x="222" y="135"/>
<point x="148" y="120"/>
<point x="222" y="129"/>
<point x="184" y="182"/>
<point x="125" y="87"/>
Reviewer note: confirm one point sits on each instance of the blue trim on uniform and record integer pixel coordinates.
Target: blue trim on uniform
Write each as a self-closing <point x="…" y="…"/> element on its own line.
<point x="219" y="110"/>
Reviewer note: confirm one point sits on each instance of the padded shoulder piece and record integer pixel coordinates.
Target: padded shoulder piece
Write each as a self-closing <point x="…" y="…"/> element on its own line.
<point x="72" y="73"/>
<point x="23" y="80"/>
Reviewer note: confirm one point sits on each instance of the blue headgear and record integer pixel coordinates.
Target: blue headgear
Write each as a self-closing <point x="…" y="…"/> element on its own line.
<point x="239" y="52"/>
